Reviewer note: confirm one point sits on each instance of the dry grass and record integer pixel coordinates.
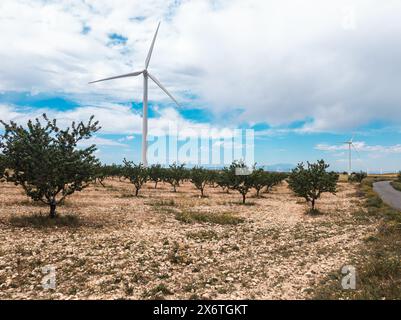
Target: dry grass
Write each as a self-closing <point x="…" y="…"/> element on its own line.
<point x="207" y="217"/>
<point x="140" y="250"/>
<point x="396" y="185"/>
<point x="378" y="264"/>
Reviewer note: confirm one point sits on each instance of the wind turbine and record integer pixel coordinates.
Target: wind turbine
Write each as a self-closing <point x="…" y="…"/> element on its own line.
<point x="146" y="75"/>
<point x="350" y="146"/>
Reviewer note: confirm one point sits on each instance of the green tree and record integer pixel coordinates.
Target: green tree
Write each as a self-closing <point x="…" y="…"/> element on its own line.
<point x="223" y="179"/>
<point x="116" y="171"/>
<point x="102" y="172"/>
<point x="46" y="161"/>
<point x="312" y="181"/>
<point x="200" y="177"/>
<point x="213" y="177"/>
<point x="156" y="173"/>
<point x="136" y="173"/>
<point x="399" y="176"/>
<point x="174" y="175"/>
<point x="240" y="178"/>
<point x="273" y="179"/>
<point x="258" y="180"/>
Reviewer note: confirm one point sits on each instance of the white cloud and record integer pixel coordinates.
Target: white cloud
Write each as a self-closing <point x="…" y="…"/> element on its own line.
<point x="361" y="146"/>
<point x="98" y="141"/>
<point x="119" y="119"/>
<point x="280" y="61"/>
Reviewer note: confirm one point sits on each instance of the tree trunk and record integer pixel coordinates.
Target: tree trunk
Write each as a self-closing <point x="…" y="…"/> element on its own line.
<point x="174" y="187"/>
<point x="202" y="192"/>
<point x="257" y="193"/>
<point x="52" y="209"/>
<point x="156" y="184"/>
<point x="243" y="198"/>
<point x="313" y="204"/>
<point x="136" y="192"/>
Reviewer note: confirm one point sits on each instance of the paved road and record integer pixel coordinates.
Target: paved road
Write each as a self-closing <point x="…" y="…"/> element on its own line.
<point x="388" y="194"/>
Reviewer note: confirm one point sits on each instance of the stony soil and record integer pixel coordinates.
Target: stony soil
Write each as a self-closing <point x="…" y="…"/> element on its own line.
<point x="134" y="248"/>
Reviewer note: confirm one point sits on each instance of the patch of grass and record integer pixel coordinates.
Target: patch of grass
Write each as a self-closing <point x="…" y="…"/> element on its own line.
<point x="247" y="204"/>
<point x="126" y="195"/>
<point x="396" y="185"/>
<point x="379" y="262"/>
<point x="314" y="212"/>
<point x="160" y="290"/>
<point x="207" y="217"/>
<point x="43" y="221"/>
<point x="203" y="235"/>
<point x="111" y="188"/>
<point x="163" y="206"/>
<point x="179" y="255"/>
<point x="374" y="201"/>
<point x="163" y="203"/>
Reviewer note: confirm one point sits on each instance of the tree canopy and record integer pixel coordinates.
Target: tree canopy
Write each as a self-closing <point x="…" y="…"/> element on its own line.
<point x="136" y="173"/>
<point x="46" y="160"/>
<point x="312" y="181"/>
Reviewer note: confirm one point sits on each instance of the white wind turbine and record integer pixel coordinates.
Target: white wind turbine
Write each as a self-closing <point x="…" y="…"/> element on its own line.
<point x="350" y="146"/>
<point x="146" y="75"/>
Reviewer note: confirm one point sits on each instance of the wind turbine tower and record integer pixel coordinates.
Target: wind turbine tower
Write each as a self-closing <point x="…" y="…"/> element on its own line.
<point x="350" y="146"/>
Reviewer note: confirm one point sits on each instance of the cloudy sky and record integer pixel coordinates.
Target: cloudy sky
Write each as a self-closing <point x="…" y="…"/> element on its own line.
<point x="305" y="75"/>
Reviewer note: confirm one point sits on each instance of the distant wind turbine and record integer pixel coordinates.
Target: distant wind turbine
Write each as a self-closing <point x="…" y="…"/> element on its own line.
<point x="146" y="75"/>
<point x="350" y="146"/>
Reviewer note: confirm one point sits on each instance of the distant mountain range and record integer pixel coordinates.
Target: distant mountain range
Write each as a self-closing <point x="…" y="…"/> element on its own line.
<point x="280" y="167"/>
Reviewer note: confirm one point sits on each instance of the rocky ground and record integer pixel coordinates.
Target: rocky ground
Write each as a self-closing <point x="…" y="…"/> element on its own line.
<point x="123" y="247"/>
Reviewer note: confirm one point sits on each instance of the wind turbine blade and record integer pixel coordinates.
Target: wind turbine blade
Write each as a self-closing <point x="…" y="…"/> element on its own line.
<point x="132" y="74"/>
<point x="163" y="88"/>
<point x="357" y="152"/>
<point x="151" y="48"/>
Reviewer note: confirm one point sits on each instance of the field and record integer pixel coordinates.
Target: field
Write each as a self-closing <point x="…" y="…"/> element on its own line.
<point x="109" y="244"/>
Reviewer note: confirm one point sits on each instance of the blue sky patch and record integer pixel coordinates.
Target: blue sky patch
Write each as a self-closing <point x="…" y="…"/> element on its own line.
<point x="117" y="39"/>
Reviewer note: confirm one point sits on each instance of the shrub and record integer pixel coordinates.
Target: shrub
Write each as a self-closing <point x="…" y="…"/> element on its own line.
<point x="136" y="173"/>
<point x="357" y="176"/>
<point x="312" y="181"/>
<point x="45" y="160"/>
<point x="399" y="176"/>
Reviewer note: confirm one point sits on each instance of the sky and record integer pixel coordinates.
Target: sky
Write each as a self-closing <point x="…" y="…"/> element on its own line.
<point x="306" y="76"/>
